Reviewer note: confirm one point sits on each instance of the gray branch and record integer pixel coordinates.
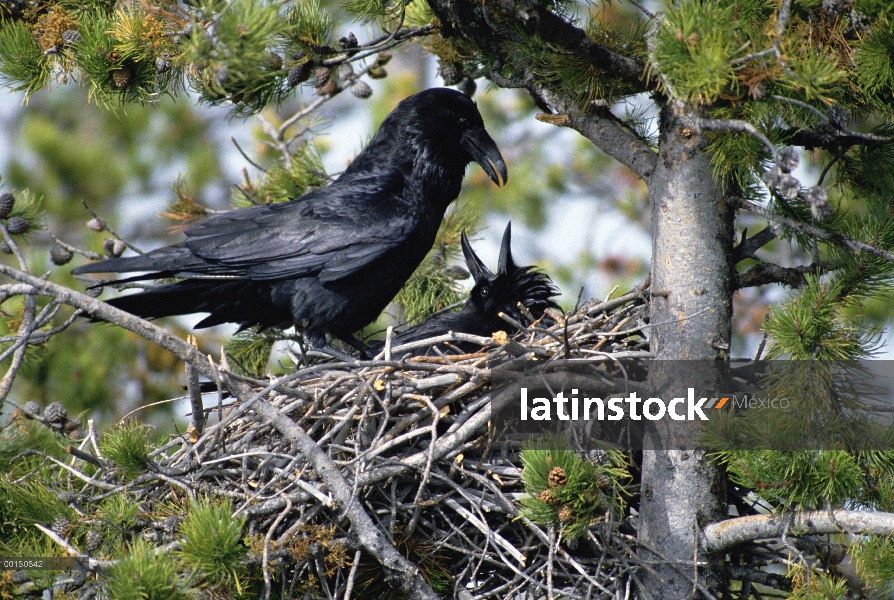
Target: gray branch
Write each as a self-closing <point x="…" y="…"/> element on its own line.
<point x="721" y="536"/>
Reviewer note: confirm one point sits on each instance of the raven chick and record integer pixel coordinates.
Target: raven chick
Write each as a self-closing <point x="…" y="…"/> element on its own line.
<point x="492" y="294"/>
<point x="330" y="261"/>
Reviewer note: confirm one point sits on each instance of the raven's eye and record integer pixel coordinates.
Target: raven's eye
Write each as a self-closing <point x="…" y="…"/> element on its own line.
<point x="462" y="122"/>
<point x="484" y="292"/>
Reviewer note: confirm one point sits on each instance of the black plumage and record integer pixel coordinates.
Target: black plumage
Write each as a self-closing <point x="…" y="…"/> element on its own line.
<point x="331" y="260"/>
<point x="492" y="294"/>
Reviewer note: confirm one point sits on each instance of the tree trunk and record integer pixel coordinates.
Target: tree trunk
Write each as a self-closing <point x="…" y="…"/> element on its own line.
<point x="691" y="309"/>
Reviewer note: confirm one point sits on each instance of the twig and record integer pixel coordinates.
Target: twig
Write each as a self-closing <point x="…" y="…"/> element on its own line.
<point x="836" y="238"/>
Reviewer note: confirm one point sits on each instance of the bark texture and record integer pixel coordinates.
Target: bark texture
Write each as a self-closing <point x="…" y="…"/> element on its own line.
<point x="691" y="309"/>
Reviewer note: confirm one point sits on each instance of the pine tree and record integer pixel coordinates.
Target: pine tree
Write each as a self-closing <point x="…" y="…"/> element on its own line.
<point x="743" y="91"/>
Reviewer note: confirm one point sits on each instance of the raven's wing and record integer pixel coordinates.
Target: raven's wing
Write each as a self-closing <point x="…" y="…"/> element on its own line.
<point x="329" y="233"/>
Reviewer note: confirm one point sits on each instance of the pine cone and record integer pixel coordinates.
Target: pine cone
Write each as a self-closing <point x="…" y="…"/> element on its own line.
<point x="113" y="248"/>
<point x="603" y="481"/>
<point x="549" y="497"/>
<point x="60" y="255"/>
<point x="121" y="77"/>
<point x="788" y="186"/>
<point x="70" y="37"/>
<point x="838" y="117"/>
<point x="96" y="224"/>
<point x="60" y="524"/>
<point x="771" y="177"/>
<point x="93" y="540"/>
<point x="299" y="74"/>
<point x="329" y="89"/>
<point x="361" y="89"/>
<point x="836" y="7"/>
<point x="345" y="71"/>
<point x="348" y="42"/>
<point x="7" y="201"/>
<point x="788" y="159"/>
<point x="450" y="72"/>
<point x="32" y="408"/>
<point x="5" y="249"/>
<point x="557" y="477"/>
<point x="598" y="456"/>
<point x="162" y="65"/>
<point x="20" y="577"/>
<point x="55" y="413"/>
<point x="377" y="73"/>
<point x="820" y="209"/>
<point x="322" y="76"/>
<point x="273" y="61"/>
<point x="17" y="225"/>
<point x="565" y="514"/>
<point x="171" y="523"/>
<point x="113" y="57"/>
<point x="383" y="59"/>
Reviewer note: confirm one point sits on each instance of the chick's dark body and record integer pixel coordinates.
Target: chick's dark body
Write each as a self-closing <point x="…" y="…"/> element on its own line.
<point x="493" y="293"/>
<point x="331" y="260"/>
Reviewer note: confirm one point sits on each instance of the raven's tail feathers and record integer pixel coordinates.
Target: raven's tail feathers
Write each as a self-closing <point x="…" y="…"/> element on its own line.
<point x="245" y="302"/>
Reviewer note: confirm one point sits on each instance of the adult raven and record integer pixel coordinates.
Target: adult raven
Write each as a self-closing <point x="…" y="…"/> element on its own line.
<point x="492" y="294"/>
<point x="331" y="260"/>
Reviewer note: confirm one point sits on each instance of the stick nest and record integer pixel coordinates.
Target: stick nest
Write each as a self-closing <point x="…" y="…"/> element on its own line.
<point x="409" y="437"/>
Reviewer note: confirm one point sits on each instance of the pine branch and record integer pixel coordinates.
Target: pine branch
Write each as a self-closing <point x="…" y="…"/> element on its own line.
<point x="749" y="245"/>
<point x="773" y="580"/>
<point x="817" y="232"/>
<point x="488" y="25"/>
<point x="602" y="128"/>
<point x="723" y="535"/>
<point x="106" y="312"/>
<point x="500" y="29"/>
<point x="764" y="273"/>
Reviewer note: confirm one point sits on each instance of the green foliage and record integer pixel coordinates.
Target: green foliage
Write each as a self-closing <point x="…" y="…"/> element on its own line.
<point x="213" y="543"/>
<point x="128" y="447"/>
<point x="23" y="503"/>
<point x="694" y="55"/>
<point x="310" y="25"/>
<point x="588" y="491"/>
<point x="237" y="62"/>
<point x="418" y="13"/>
<point x="874" y="60"/>
<point x="28" y="207"/>
<point x="112" y="76"/>
<point x="22" y="66"/>
<point x="375" y="10"/>
<point x="808" y="479"/>
<point x="250" y="350"/>
<point x="24" y="434"/>
<point x="818" y="586"/>
<point x="570" y="75"/>
<point x="874" y="557"/>
<point x="145" y="575"/>
<point x="812" y="326"/>
<point x="302" y="172"/>
<point x="739" y="159"/>
<point x="118" y="516"/>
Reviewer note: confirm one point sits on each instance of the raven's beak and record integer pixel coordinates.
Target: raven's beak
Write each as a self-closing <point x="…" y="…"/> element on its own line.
<point x="505" y="252"/>
<point x="476" y="267"/>
<point x="485" y="152"/>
